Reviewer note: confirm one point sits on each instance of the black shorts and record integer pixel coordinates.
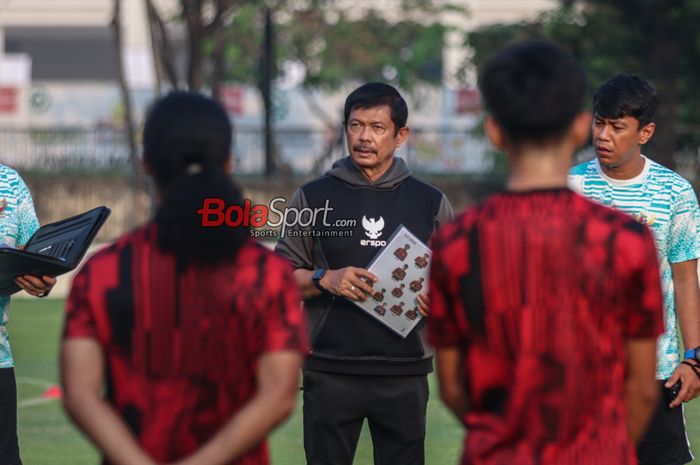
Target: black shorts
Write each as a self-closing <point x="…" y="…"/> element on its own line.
<point x="9" y="448"/>
<point x="665" y="441"/>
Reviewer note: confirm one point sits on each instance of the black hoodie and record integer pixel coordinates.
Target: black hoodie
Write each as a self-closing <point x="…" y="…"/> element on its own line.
<point x="343" y="338"/>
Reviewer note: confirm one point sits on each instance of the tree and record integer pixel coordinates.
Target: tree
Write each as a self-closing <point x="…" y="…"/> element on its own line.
<point x="136" y="173"/>
<point x="205" y="22"/>
<point x="332" y="45"/>
<point x="116" y="25"/>
<point x="656" y="39"/>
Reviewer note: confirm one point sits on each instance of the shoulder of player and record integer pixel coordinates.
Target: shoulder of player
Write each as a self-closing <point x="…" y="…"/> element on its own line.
<point x="457" y="227"/>
<point x="254" y="256"/>
<point x="9" y="178"/>
<point x="99" y="261"/>
<point x="131" y="238"/>
<point x="616" y="219"/>
<point x="631" y="241"/>
<point x="661" y="175"/>
<point x="7" y="171"/>
<point x="583" y="169"/>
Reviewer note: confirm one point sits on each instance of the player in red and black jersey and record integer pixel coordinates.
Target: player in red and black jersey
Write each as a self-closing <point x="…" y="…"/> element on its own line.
<point x="196" y="333"/>
<point x="545" y="306"/>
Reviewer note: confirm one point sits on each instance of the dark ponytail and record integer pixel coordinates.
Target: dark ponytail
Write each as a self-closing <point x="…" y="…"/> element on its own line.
<point x="187" y="145"/>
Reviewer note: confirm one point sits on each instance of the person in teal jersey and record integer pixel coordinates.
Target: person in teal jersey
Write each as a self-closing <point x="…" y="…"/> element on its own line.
<point x="622" y="178"/>
<point x="18" y="222"/>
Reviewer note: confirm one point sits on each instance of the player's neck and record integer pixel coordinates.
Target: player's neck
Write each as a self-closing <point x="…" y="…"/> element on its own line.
<point x="538" y="168"/>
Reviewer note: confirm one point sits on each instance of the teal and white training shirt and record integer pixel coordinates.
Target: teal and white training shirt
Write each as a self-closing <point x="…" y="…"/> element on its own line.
<point x="17" y="224"/>
<point x="665" y="202"/>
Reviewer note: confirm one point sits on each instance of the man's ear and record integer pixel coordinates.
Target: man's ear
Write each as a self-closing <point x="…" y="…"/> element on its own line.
<point x="494" y="133"/>
<point x="580" y="129"/>
<point x="402" y="136"/>
<point x="228" y="166"/>
<point x="645" y="133"/>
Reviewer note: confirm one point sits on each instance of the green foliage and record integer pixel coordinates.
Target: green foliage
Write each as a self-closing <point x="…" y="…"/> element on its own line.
<point x="373" y="49"/>
<point x="335" y="46"/>
<point x="657" y="39"/>
<point x="244" y="31"/>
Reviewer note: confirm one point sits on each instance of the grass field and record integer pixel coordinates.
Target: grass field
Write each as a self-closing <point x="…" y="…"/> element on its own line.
<point x="48" y="438"/>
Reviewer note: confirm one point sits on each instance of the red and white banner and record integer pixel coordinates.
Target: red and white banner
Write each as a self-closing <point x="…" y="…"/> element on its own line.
<point x="9" y="99"/>
<point x="468" y="101"/>
<point x="232" y="99"/>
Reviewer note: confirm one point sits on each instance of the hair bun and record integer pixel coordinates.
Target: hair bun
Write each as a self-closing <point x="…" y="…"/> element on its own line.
<point x="193" y="168"/>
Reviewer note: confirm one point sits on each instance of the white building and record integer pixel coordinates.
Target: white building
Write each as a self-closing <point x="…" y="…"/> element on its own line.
<point x="56" y="54"/>
<point x="51" y="51"/>
<point x="58" y="68"/>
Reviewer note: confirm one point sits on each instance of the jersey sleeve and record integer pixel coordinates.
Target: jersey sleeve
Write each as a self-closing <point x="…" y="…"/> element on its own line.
<point x="684" y="237"/>
<point x="643" y="306"/>
<point x="298" y="249"/>
<point x="80" y="320"/>
<point x="577" y="176"/>
<point x="446" y="322"/>
<point x="283" y="325"/>
<point x="27" y="222"/>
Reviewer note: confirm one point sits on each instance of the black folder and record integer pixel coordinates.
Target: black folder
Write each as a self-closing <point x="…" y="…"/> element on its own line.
<point x="54" y="249"/>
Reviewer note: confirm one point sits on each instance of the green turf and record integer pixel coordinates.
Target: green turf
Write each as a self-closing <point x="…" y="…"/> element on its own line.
<point x="47" y="437"/>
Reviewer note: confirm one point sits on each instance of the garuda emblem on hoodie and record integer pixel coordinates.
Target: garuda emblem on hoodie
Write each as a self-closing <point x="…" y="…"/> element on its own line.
<point x="373" y="228"/>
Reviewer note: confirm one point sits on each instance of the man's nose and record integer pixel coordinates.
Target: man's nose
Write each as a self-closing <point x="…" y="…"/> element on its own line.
<point x="365" y="133"/>
<point x="602" y="132"/>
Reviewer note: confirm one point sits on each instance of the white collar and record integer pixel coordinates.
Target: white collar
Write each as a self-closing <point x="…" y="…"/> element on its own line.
<point x="625" y="182"/>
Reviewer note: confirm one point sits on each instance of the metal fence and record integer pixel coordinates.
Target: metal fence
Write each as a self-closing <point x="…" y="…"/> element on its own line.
<point x="55" y="149"/>
<point x="302" y="151"/>
<point x="298" y="150"/>
<point x="75" y="154"/>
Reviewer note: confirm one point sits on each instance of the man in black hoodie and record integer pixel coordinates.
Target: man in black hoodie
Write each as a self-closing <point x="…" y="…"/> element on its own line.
<point x="358" y="368"/>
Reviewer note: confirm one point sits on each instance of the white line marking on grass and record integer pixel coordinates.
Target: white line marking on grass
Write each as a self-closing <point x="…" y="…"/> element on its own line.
<point x="33" y="402"/>
<point x="34" y="381"/>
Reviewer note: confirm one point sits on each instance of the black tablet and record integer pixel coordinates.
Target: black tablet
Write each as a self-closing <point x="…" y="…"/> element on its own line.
<point x="54" y="249"/>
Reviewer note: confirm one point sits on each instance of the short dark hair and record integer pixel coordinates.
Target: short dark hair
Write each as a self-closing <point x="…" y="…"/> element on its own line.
<point x="626" y="95"/>
<point x="533" y="89"/>
<point x="375" y="94"/>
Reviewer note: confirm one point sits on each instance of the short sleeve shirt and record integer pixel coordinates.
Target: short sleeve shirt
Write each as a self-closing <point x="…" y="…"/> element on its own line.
<point x="18" y="222"/>
<point x="665" y="202"/>
<point x="539" y="291"/>
<point x="182" y="345"/>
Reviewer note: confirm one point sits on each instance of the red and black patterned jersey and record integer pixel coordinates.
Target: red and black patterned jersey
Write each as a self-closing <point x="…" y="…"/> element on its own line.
<point x="182" y="343"/>
<point x="540" y="290"/>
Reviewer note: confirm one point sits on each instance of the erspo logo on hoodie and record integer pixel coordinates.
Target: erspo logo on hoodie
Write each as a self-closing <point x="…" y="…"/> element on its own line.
<point x="373" y="230"/>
